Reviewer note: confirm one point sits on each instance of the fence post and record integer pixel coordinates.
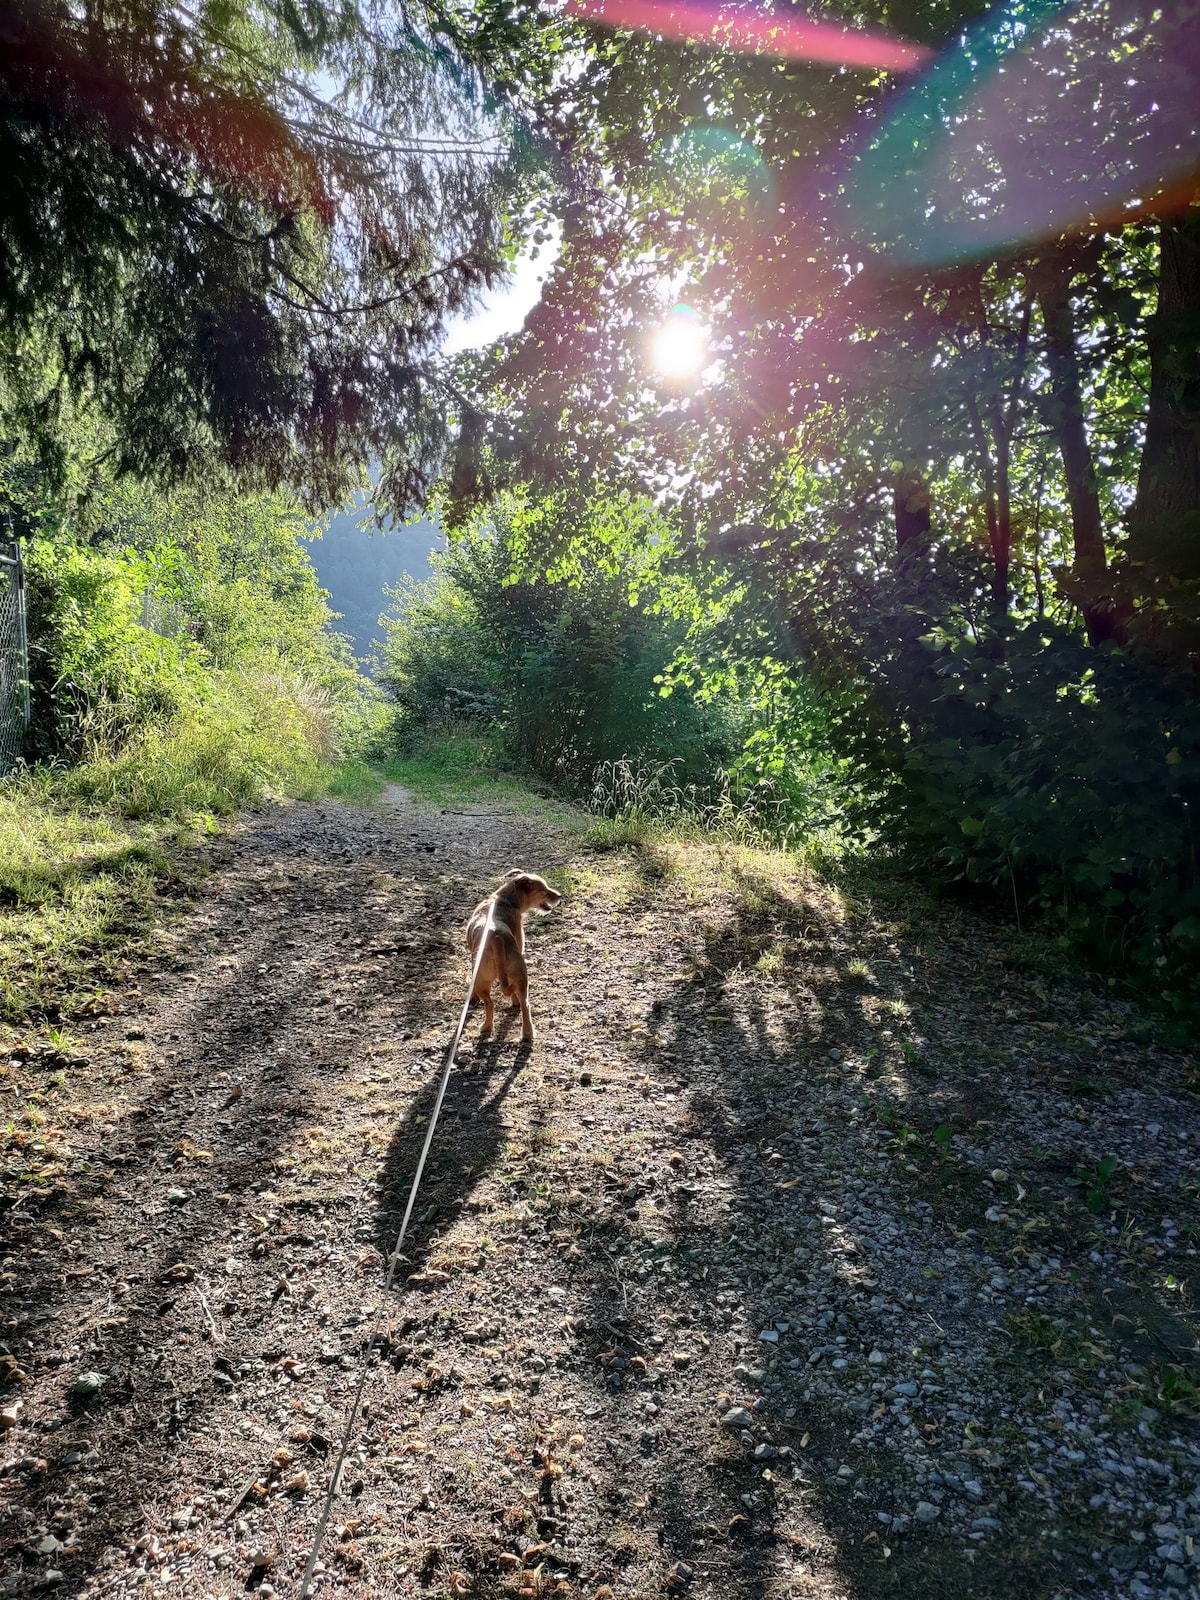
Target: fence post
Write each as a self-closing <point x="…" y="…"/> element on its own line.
<point x="14" y="652"/>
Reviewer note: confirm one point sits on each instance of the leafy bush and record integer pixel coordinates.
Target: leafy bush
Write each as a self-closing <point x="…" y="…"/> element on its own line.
<point x="603" y="667"/>
<point x="1006" y="754"/>
<point x="97" y="674"/>
<point x="183" y="667"/>
<point x="1063" y="776"/>
<point x="143" y="621"/>
<point x="569" y="673"/>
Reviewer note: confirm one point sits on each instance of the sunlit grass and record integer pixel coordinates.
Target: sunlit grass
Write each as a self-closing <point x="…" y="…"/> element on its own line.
<point x="356" y="782"/>
<point x="76" y="881"/>
<point x="462" y="767"/>
<point x="90" y="853"/>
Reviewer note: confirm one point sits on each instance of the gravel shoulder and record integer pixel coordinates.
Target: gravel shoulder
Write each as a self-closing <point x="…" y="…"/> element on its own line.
<point x="820" y="1247"/>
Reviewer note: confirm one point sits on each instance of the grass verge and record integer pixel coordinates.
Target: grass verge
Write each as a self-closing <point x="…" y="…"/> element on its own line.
<point x="356" y="782"/>
<point x="465" y="768"/>
<point x="92" y="855"/>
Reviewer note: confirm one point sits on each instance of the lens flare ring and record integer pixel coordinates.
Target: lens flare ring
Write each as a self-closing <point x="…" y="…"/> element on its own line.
<point x="779" y="33"/>
<point x="1046" y="119"/>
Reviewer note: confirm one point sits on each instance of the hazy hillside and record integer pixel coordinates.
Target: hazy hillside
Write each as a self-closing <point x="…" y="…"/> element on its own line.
<point x="355" y="565"/>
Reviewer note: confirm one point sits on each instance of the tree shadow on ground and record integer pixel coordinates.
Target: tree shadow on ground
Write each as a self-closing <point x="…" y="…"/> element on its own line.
<point x="777" y="1034"/>
<point x="759" y="1098"/>
<point x="133" y="1273"/>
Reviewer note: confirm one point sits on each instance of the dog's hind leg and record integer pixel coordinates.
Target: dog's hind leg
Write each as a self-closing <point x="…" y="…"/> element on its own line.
<point x="482" y="993"/>
<point x="516" y="988"/>
<point x="485" y="975"/>
<point x="489" y="1013"/>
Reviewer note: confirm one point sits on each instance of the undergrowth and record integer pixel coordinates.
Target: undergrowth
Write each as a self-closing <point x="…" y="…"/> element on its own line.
<point x="638" y="802"/>
<point x="182" y="667"/>
<point x="90" y="854"/>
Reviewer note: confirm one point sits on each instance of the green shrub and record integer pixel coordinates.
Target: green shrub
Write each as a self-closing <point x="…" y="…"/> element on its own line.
<point x="183" y="667"/>
<point x="98" y="674"/>
<point x="568" y="673"/>
<point x="139" y="602"/>
<point x="1066" y="778"/>
<point x="579" y="677"/>
<point x="252" y="735"/>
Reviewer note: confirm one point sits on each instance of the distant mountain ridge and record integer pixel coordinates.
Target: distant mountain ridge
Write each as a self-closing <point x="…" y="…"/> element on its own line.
<point x="356" y="564"/>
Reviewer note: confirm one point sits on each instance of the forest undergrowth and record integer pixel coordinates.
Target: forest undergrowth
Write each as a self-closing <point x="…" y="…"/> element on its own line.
<point x="183" y="668"/>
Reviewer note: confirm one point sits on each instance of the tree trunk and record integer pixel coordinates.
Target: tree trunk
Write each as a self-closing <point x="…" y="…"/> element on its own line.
<point x="910" y="506"/>
<point x="1064" y="413"/>
<point x="1002" y="521"/>
<point x="1165" y="524"/>
<point x="993" y="412"/>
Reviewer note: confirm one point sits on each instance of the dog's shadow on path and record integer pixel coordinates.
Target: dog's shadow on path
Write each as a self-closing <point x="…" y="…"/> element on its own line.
<point x="466" y="1145"/>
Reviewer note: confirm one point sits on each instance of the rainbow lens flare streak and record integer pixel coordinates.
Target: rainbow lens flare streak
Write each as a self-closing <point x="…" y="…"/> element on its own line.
<point x="779" y="33"/>
<point x="1046" y="119"/>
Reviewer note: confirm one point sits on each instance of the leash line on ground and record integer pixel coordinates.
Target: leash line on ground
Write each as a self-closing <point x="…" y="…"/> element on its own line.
<point x="350" y="1426"/>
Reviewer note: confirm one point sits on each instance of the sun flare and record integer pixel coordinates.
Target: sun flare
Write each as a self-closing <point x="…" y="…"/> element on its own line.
<point x="679" y="346"/>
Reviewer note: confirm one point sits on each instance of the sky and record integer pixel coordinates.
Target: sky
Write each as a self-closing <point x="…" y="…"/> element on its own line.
<point x="501" y="310"/>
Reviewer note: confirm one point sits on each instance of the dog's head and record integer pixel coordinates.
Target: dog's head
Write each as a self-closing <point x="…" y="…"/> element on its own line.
<point x="528" y="892"/>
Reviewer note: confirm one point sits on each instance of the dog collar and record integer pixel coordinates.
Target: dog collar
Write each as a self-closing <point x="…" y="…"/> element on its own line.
<point x="505" y="901"/>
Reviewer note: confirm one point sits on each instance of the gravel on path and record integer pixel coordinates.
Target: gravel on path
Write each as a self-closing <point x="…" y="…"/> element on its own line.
<point x="818" y="1248"/>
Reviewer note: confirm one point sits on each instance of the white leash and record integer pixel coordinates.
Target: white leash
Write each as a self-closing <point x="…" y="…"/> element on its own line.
<point x="393" y="1261"/>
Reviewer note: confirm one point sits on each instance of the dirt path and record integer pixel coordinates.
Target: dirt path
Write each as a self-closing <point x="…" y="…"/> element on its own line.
<point x="769" y="1273"/>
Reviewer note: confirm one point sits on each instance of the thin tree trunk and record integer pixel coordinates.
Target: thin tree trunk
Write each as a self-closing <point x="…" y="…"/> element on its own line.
<point x="1064" y="413"/>
<point x="989" y="401"/>
<point x="1002" y="547"/>
<point x="910" y="506"/>
<point x="996" y="543"/>
<point x="1165" y="524"/>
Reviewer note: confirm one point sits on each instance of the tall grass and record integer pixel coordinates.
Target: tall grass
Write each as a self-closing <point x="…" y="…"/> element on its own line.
<point x="254" y="734"/>
<point x="638" y="799"/>
<point x="86" y="849"/>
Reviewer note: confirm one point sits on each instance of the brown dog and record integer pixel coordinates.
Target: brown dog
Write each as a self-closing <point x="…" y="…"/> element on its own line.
<point x="503" y="958"/>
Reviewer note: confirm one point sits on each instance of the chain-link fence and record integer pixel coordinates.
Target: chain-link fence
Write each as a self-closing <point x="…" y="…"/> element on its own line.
<point x="14" y="654"/>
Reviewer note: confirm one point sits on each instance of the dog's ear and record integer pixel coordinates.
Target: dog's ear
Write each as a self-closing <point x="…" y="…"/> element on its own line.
<point x="513" y="872"/>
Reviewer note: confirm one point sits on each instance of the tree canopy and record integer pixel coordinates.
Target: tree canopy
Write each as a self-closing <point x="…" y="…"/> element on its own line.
<point x="936" y="452"/>
<point x="954" y="293"/>
<point x="237" y="231"/>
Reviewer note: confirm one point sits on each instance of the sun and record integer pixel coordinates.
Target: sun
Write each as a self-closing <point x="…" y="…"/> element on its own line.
<point x="679" y="346"/>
